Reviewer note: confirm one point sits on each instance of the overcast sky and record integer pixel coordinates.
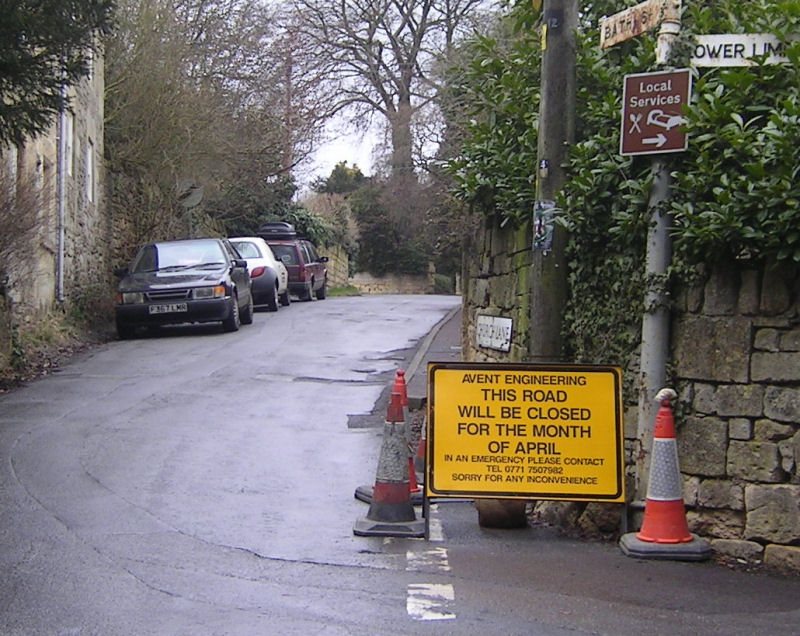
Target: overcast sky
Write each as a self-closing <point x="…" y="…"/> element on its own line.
<point x="344" y="144"/>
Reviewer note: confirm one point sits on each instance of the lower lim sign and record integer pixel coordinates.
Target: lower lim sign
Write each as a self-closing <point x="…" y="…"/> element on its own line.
<point x="652" y="112"/>
<point x="525" y="431"/>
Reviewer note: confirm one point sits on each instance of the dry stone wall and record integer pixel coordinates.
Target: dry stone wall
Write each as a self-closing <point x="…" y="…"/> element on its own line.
<point x="736" y="357"/>
<point x="392" y="284"/>
<point x="735" y="360"/>
<point x="338" y="265"/>
<point x="496" y="278"/>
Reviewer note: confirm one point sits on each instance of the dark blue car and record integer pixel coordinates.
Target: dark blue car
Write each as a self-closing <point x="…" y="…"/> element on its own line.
<point x="182" y="282"/>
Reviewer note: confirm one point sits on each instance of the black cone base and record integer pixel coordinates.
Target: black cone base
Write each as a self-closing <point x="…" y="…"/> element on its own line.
<point x="695" y="550"/>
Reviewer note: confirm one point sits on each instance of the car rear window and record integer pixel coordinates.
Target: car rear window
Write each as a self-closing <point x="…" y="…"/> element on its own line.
<point x="247" y="249"/>
<point x="285" y="250"/>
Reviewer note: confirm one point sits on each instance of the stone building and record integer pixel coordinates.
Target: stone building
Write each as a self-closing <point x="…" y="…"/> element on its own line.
<point x="62" y="260"/>
<point x="735" y="360"/>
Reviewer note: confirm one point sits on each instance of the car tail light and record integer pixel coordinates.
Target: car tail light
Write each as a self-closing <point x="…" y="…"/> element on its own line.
<point x="301" y="272"/>
<point x="258" y="271"/>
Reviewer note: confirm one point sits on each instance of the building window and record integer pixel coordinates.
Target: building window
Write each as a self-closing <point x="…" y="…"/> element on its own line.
<point x="69" y="131"/>
<point x="90" y="176"/>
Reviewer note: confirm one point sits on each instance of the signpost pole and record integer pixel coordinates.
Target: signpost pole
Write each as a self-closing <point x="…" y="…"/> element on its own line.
<point x="655" y="321"/>
<point x="556" y="134"/>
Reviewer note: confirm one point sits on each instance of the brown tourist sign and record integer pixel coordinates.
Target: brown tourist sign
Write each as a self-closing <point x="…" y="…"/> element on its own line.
<point x="652" y="112"/>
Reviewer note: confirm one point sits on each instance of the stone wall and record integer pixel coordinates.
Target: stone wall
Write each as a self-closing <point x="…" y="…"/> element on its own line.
<point x="496" y="278"/>
<point x="338" y="265"/>
<point x="392" y="284"/>
<point x="736" y="357"/>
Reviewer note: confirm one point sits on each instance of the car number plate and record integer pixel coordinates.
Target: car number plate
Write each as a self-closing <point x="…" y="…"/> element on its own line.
<point x="168" y="308"/>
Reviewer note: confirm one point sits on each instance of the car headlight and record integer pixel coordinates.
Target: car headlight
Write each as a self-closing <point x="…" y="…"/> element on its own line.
<point x="132" y="298"/>
<point x="218" y="291"/>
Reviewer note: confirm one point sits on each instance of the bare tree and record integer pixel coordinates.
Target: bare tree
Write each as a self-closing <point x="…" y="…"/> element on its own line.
<point x="205" y="93"/>
<point x="381" y="54"/>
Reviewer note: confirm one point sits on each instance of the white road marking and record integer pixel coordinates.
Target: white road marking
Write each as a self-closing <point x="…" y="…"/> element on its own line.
<point x="434" y="559"/>
<point x="430" y="601"/>
<point x="435" y="532"/>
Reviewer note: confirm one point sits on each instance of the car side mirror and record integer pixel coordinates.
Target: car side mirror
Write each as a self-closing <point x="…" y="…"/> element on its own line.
<point x="240" y="262"/>
<point x="323" y="259"/>
<point x="121" y="272"/>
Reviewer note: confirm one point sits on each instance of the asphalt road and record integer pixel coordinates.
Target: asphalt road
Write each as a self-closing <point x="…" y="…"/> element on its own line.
<point x="202" y="483"/>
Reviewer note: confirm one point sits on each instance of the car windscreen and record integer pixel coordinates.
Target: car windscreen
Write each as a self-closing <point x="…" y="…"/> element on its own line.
<point x="285" y="250"/>
<point x="182" y="254"/>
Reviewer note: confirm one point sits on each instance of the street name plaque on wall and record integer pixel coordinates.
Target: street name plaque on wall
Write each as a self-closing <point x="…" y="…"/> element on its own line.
<point x="525" y="431"/>
<point x="493" y="332"/>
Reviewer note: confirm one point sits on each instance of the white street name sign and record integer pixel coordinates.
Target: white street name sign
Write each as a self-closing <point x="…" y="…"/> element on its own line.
<point x="494" y="332"/>
<point x="737" y="49"/>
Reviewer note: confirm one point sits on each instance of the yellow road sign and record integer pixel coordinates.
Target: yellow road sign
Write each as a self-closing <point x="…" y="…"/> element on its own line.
<point x="525" y="431"/>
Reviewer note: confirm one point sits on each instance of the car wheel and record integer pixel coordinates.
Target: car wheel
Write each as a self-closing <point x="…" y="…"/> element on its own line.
<point x="308" y="292"/>
<point x="286" y="299"/>
<point x="125" y="331"/>
<point x="247" y="314"/>
<point x="272" y="301"/>
<point x="232" y="322"/>
<point x="322" y="292"/>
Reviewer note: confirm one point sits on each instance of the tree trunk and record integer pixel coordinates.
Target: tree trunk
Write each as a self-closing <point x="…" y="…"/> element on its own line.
<point x="402" y="162"/>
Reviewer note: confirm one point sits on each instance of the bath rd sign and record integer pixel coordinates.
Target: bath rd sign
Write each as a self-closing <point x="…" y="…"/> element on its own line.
<point x="652" y="112"/>
<point x="525" y="431"/>
<point x="636" y="20"/>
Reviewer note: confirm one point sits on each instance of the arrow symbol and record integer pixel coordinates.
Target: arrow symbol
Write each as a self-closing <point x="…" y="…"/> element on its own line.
<point x="659" y="140"/>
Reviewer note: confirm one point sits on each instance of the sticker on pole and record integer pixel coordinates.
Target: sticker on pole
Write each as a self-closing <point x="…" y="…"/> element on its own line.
<point x="525" y="431"/>
<point x="652" y="112"/>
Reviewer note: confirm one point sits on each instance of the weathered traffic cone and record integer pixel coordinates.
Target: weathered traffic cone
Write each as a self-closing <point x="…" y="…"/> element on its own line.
<point x="665" y="532"/>
<point x="391" y="513"/>
<point x="401" y="388"/>
<point x="365" y="493"/>
<point x="419" y="458"/>
<point x="413" y="485"/>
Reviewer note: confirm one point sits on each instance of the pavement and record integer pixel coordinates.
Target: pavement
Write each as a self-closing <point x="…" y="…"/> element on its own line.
<point x="442" y="344"/>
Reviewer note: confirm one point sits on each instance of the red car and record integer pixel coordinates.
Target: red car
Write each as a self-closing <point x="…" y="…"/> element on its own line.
<point x="308" y="272"/>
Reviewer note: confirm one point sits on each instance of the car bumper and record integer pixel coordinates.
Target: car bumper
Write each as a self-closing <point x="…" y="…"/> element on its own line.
<point x="298" y="289"/>
<point x="207" y="310"/>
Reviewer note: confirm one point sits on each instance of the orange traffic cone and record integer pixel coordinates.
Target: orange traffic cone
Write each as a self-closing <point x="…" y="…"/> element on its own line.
<point x="401" y="388"/>
<point x="419" y="458"/>
<point x="413" y="485"/>
<point x="391" y="513"/>
<point x="665" y="532"/>
<point x="365" y="493"/>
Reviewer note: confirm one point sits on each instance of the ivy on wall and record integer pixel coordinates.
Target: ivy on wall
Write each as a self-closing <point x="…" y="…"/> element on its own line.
<point x="736" y="191"/>
<point x="498" y="91"/>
